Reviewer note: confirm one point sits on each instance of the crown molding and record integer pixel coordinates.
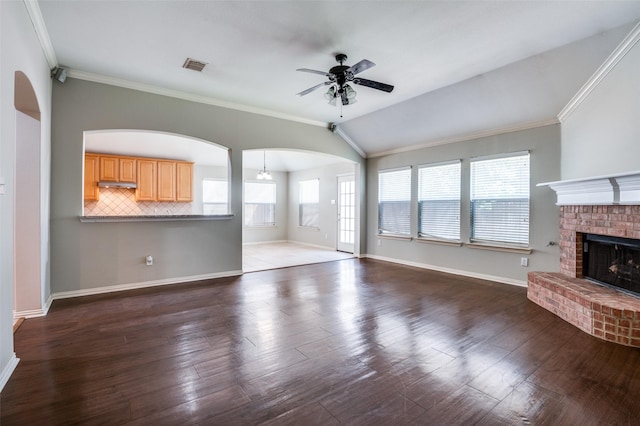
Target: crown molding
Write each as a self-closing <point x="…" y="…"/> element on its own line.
<point x="609" y="64"/>
<point x="33" y="9"/>
<point x="98" y="78"/>
<point x="469" y="136"/>
<point x="338" y="131"/>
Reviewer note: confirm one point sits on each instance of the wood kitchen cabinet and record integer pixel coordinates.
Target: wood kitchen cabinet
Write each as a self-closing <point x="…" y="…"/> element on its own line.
<point x="166" y="180"/>
<point x="117" y="169"/>
<point x="109" y="168"/>
<point x="128" y="170"/>
<point x="184" y="181"/>
<point x="156" y="179"/>
<point x="91" y="177"/>
<point x="147" y="180"/>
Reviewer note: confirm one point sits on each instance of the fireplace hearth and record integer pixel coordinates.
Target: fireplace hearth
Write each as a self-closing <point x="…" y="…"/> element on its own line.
<point x="612" y="261"/>
<point x="611" y="314"/>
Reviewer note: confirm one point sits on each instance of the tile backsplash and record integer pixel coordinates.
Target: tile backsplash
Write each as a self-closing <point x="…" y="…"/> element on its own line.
<point x="122" y="202"/>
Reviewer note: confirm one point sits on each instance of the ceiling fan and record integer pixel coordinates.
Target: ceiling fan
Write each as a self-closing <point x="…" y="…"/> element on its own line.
<point x="339" y="76"/>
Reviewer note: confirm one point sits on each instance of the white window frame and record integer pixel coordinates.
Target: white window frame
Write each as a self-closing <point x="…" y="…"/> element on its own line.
<point x="264" y="205"/>
<point x="216" y="201"/>
<point x="439" y="194"/>
<point x="500" y="198"/>
<point x="394" y="186"/>
<point x="309" y="203"/>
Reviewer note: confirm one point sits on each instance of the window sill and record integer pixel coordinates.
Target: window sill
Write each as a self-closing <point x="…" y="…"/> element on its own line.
<point x="309" y="228"/>
<point x="440" y="242"/>
<point x="506" y="249"/>
<point x="395" y="237"/>
<point x="258" y="227"/>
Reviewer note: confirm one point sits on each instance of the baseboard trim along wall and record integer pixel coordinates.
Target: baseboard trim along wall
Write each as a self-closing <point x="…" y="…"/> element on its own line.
<point x="144" y="284"/>
<point x="494" y="278"/>
<point x="8" y="370"/>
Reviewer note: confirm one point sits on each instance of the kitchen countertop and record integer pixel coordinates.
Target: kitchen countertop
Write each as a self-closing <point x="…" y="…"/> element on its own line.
<point x="154" y="218"/>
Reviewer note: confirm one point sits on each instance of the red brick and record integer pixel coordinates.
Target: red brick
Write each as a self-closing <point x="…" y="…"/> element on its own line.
<point x="623" y="340"/>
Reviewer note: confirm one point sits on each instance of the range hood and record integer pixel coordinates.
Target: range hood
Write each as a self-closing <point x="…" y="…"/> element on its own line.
<point x="112" y="184"/>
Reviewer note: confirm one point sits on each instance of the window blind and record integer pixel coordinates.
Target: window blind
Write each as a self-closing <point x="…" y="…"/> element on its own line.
<point x="215" y="196"/>
<point x="260" y="204"/>
<point x="394" y="201"/>
<point x="439" y="201"/>
<point x="500" y="200"/>
<point x="309" y="205"/>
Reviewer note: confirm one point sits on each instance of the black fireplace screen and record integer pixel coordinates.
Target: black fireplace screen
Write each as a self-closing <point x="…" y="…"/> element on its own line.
<point x="613" y="261"/>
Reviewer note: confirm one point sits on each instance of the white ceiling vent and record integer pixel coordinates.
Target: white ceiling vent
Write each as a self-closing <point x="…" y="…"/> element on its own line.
<point x="192" y="64"/>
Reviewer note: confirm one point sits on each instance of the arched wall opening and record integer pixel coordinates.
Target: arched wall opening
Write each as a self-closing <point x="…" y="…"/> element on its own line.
<point x="303" y="203"/>
<point x="210" y="161"/>
<point x="28" y="283"/>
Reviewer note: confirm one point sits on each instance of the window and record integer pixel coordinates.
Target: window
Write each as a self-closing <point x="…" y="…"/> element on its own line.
<point x="215" y="196"/>
<point x="394" y="201"/>
<point x="309" y="208"/>
<point x="260" y="204"/>
<point x="439" y="201"/>
<point x="500" y="200"/>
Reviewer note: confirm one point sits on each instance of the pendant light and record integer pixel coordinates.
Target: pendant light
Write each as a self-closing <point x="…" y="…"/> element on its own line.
<point x="264" y="174"/>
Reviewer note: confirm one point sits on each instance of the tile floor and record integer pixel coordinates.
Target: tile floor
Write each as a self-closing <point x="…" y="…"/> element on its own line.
<point x="260" y="257"/>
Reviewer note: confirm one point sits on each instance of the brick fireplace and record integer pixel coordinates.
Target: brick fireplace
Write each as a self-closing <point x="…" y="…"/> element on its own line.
<point x="601" y="311"/>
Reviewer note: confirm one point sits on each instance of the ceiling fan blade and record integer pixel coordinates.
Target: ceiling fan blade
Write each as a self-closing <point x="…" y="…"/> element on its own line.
<point x="326" y="74"/>
<point x="363" y="65"/>
<point x="311" y="89"/>
<point x="373" y="84"/>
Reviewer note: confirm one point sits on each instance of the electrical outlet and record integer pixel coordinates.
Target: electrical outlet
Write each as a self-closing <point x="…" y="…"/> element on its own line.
<point x="524" y="261"/>
<point x="379" y="242"/>
<point x="149" y="260"/>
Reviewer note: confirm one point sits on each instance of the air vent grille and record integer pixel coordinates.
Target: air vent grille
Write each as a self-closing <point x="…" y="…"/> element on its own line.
<point x="193" y="64"/>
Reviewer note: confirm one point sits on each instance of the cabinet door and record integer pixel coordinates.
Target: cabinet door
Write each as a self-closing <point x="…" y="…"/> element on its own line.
<point x="147" y="180"/>
<point x="127" y="169"/>
<point x="184" y="181"/>
<point x="109" y="168"/>
<point x="166" y="180"/>
<point x="91" y="175"/>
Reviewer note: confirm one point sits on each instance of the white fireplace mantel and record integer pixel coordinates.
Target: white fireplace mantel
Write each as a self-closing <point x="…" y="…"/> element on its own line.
<point x="620" y="189"/>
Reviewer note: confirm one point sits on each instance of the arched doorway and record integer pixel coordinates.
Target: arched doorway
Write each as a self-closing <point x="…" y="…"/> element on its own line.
<point x="27" y="213"/>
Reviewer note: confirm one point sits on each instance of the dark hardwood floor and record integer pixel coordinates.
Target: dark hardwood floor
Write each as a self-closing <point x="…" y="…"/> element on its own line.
<point x="352" y="341"/>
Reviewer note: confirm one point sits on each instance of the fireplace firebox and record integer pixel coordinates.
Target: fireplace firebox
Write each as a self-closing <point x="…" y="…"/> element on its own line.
<point x="612" y="261"/>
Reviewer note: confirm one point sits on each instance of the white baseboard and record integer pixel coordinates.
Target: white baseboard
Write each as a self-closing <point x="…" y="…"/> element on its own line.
<point x="469" y="274"/>
<point x="265" y="242"/>
<point x="8" y="370"/>
<point x="33" y="313"/>
<point x="29" y="313"/>
<point x="318" y="246"/>
<point x="144" y="284"/>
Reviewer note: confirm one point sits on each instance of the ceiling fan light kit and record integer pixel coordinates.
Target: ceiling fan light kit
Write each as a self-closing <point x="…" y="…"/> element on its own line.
<point x="338" y="78"/>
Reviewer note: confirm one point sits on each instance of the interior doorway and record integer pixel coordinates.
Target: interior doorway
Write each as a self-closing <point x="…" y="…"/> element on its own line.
<point x="27" y="232"/>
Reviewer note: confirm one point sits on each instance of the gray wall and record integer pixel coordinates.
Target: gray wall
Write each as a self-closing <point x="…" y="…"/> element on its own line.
<point x="271" y="233"/>
<point x="602" y="135"/>
<point x="326" y="235"/>
<point x="89" y="255"/>
<point x="544" y="146"/>
<point x="20" y="51"/>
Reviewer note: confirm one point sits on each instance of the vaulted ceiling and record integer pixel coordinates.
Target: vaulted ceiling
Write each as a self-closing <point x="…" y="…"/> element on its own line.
<point x="458" y="67"/>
